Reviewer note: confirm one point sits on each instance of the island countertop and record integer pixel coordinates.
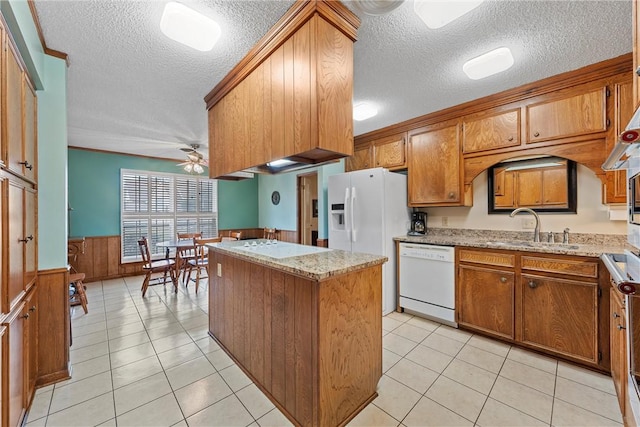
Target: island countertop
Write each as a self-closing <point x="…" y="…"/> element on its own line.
<point x="307" y="261"/>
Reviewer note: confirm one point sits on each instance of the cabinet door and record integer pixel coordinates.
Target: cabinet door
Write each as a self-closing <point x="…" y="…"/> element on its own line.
<point x="530" y="187"/>
<point x="29" y="129"/>
<point x="14" y="361"/>
<point x="560" y="315"/>
<point x="433" y="162"/>
<point x="503" y="189"/>
<point x="390" y="152"/>
<point x="30" y="316"/>
<point x="30" y="235"/>
<point x="618" y="345"/>
<point x="485" y="299"/>
<point x="361" y="159"/>
<point x="15" y="246"/>
<point x="575" y="115"/>
<point x="554" y="187"/>
<point x="13" y="110"/>
<point x="488" y="133"/>
<point x="616" y="181"/>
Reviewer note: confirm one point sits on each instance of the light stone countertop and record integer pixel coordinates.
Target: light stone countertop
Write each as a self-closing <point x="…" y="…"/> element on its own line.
<point x="580" y="244"/>
<point x="315" y="266"/>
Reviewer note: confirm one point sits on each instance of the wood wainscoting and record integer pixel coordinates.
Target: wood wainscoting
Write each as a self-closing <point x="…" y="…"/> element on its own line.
<point x="54" y="325"/>
<point x="101" y="257"/>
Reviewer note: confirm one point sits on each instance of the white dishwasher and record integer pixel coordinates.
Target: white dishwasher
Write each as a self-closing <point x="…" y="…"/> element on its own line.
<point x="427" y="281"/>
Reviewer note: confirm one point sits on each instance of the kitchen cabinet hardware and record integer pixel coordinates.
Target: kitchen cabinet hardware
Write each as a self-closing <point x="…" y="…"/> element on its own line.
<point x="26" y="240"/>
<point x="33" y="308"/>
<point x="532" y="284"/>
<point x="25" y="316"/>
<point x="510" y="139"/>
<point x="638" y="71"/>
<point x="503" y="279"/>
<point x="26" y="165"/>
<point x="621" y="328"/>
<point x="615" y="315"/>
<point x="536" y="134"/>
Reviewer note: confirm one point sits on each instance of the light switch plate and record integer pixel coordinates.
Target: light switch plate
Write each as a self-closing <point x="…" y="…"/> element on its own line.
<point x="219" y="270"/>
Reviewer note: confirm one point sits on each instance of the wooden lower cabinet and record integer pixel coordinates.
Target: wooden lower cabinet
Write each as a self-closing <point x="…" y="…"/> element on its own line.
<point x="560" y="315"/>
<point x="313" y="346"/>
<point x="546" y="302"/>
<point x="619" y="365"/>
<point x="14" y="362"/>
<point x="485" y="299"/>
<point x="30" y="315"/>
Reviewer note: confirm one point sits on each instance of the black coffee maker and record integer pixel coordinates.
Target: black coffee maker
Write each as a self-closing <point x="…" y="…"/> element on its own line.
<point x="418" y="223"/>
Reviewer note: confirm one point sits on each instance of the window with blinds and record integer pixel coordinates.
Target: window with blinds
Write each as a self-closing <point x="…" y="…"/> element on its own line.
<point x="160" y="205"/>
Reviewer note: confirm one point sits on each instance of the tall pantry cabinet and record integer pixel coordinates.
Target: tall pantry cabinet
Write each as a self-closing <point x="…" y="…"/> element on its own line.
<point x="18" y="234"/>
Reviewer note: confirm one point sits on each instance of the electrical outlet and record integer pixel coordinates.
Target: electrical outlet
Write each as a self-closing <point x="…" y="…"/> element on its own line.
<point x="445" y="221"/>
<point x="528" y="223"/>
<point x="219" y="270"/>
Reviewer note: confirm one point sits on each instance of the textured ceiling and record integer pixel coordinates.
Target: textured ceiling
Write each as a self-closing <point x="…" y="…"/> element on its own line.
<point x="133" y="90"/>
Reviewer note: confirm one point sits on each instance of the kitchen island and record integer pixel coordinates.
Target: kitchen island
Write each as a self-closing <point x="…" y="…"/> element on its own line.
<point x="303" y="322"/>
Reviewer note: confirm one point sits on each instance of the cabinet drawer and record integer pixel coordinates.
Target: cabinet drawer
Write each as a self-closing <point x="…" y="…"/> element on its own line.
<point x="577" y="267"/>
<point x="488" y="258"/>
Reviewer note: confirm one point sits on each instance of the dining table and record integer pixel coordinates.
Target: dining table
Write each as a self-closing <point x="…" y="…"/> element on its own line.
<point x="180" y="245"/>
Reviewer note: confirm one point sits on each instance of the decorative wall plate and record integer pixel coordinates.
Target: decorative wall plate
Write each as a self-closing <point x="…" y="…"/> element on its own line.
<point x="275" y="197"/>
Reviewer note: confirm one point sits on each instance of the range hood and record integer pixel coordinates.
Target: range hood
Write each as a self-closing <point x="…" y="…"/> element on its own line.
<point x="290" y="98"/>
<point x="626" y="146"/>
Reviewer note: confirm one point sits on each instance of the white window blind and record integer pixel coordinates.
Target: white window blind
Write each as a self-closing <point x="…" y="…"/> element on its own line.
<point x="160" y="205"/>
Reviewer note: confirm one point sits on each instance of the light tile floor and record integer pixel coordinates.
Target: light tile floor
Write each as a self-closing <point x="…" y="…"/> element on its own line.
<point x="150" y="362"/>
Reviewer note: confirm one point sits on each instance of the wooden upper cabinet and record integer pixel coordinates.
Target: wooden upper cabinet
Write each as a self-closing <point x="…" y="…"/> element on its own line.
<point x="483" y="132"/>
<point x="616" y="181"/>
<point x="636" y="54"/>
<point x="391" y="152"/>
<point x="13" y="110"/>
<point x="14" y="290"/>
<point x="433" y="163"/>
<point x="29" y="129"/>
<point x="290" y="97"/>
<point x="361" y="159"/>
<point x="30" y="235"/>
<point x="581" y="112"/>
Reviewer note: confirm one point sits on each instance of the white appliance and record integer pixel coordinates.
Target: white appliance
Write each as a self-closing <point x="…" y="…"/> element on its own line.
<point x="427" y="281"/>
<point x="367" y="209"/>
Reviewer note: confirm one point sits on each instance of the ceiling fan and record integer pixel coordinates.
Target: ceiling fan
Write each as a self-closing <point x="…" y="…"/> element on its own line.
<point x="195" y="161"/>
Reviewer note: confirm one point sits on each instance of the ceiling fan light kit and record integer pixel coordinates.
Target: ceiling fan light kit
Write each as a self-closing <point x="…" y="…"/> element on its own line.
<point x="195" y="161"/>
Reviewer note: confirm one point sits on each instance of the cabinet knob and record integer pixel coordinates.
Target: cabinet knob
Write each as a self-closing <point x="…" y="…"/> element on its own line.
<point x="620" y="327"/>
<point x="30" y="237"/>
<point x="536" y="134"/>
<point x="26" y="165"/>
<point x="33" y="308"/>
<point x="452" y="195"/>
<point x="532" y="284"/>
<point x="503" y="280"/>
<point x="510" y="138"/>
<point x="25" y="316"/>
<point x="615" y="315"/>
<point x="638" y="71"/>
<point x="23" y="240"/>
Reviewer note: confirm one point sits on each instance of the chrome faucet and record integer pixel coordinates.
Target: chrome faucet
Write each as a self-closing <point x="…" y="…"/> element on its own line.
<point x="565" y="236"/>
<point x="536" y="232"/>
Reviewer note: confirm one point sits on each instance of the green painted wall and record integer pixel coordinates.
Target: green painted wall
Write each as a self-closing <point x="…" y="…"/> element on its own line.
<point x="94" y="193"/>
<point x="283" y="215"/>
<point x="52" y="166"/>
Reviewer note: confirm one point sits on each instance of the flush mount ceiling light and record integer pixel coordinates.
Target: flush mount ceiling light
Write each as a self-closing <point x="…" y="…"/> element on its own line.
<point x="364" y="111"/>
<point x="377" y="7"/>
<point x="488" y="64"/>
<point x="189" y="27"/>
<point x="437" y="14"/>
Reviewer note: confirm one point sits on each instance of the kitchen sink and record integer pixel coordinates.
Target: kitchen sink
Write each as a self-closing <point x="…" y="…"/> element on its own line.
<point x="511" y="243"/>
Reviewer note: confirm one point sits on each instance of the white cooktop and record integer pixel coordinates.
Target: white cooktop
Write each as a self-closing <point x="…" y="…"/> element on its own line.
<point x="275" y="249"/>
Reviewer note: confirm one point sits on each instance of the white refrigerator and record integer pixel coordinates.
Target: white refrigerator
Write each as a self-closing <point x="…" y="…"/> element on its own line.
<point x="367" y="209"/>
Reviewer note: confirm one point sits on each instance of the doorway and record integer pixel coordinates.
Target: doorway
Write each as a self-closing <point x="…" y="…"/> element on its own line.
<point x="308" y="208"/>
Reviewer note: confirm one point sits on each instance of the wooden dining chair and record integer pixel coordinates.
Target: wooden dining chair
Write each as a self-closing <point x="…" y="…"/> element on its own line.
<point x="184" y="255"/>
<point x="150" y="267"/>
<point x="79" y="296"/>
<point x="269" y="233"/>
<point x="201" y="261"/>
<point x="233" y="235"/>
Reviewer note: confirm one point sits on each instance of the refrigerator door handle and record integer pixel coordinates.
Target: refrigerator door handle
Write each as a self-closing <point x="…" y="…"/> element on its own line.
<point x="347" y="225"/>
<point x="353" y="208"/>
